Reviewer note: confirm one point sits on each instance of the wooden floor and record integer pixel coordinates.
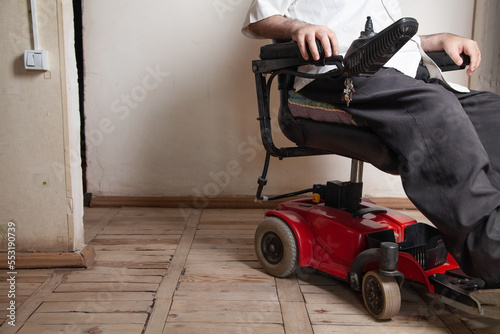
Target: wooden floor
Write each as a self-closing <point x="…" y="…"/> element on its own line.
<point x="175" y="271"/>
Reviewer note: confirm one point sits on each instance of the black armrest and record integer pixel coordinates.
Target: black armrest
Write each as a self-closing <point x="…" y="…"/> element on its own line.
<point x="282" y="55"/>
<point x="281" y="50"/>
<point x="445" y="63"/>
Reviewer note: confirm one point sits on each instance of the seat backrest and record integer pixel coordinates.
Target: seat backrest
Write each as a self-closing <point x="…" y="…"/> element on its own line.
<point x="287" y="122"/>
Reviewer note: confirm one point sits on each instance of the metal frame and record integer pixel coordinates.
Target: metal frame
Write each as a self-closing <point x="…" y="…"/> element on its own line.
<point x="273" y="68"/>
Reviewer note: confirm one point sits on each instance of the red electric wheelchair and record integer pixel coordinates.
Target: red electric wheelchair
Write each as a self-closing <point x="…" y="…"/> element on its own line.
<point x="336" y="231"/>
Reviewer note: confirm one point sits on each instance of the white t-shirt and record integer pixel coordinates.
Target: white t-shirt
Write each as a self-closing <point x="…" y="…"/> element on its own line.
<point x="347" y="19"/>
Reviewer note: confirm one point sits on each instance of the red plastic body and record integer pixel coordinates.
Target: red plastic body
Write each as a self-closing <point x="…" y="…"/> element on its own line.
<point x="329" y="239"/>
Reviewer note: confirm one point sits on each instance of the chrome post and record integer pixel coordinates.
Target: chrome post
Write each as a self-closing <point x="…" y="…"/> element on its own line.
<point x="356" y="171"/>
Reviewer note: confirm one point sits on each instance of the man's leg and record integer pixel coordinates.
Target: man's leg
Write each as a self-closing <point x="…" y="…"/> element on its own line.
<point x="483" y="109"/>
<point x="445" y="169"/>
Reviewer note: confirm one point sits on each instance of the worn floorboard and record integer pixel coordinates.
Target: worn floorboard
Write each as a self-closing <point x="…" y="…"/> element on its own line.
<point x="164" y="270"/>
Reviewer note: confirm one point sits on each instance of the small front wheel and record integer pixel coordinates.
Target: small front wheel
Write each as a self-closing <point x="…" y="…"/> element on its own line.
<point x="276" y="247"/>
<point x="381" y="295"/>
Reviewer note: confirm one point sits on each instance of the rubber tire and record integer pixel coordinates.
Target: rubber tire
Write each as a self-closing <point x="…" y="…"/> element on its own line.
<point x="381" y="295"/>
<point x="285" y="265"/>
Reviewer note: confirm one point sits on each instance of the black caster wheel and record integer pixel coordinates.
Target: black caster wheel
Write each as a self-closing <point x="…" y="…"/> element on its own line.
<point x="276" y="247"/>
<point x="381" y="295"/>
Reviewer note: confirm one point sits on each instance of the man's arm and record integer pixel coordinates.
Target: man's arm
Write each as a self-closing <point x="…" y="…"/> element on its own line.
<point x="281" y="28"/>
<point x="454" y="45"/>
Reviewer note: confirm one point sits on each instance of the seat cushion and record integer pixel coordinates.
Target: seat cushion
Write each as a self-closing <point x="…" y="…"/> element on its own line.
<point x="303" y="107"/>
<point x="349" y="141"/>
<point x="327" y="128"/>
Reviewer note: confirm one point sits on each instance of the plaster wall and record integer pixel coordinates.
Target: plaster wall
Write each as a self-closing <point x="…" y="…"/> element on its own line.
<point x="171" y="106"/>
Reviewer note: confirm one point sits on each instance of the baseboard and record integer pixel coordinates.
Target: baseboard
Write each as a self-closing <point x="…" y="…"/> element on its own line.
<point x="217" y="202"/>
<point x="181" y="202"/>
<point x="39" y="260"/>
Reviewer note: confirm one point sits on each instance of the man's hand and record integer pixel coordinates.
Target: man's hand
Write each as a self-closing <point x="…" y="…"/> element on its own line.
<point x="454" y="45"/>
<point x="305" y="36"/>
<point x="282" y="28"/>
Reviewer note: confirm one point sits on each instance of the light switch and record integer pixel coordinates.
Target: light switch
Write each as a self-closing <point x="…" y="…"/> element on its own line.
<point x="36" y="60"/>
<point x="30" y="60"/>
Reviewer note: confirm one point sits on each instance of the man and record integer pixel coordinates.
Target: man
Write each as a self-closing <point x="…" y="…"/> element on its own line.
<point x="445" y="135"/>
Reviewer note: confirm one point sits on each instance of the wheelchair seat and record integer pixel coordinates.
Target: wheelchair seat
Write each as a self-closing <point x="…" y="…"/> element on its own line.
<point x="336" y="134"/>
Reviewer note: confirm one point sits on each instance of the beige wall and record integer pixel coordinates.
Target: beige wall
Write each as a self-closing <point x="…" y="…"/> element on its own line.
<point x="487" y="34"/>
<point x="455" y="16"/>
<point x="40" y="173"/>
<point x="171" y="106"/>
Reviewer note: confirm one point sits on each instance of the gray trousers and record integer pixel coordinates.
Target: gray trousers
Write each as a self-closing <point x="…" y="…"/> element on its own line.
<point x="449" y="152"/>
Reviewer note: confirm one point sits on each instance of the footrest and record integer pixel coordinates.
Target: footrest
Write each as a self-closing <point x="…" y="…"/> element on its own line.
<point x="467" y="294"/>
<point x="457" y="286"/>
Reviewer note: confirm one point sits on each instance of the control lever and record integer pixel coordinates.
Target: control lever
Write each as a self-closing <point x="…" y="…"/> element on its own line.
<point x="371" y="50"/>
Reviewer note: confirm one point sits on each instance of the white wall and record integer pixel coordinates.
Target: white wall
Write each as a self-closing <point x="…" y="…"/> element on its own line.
<point x="171" y="107"/>
<point x="40" y="174"/>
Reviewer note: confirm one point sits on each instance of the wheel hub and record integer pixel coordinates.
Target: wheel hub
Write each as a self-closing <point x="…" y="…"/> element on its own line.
<point x="272" y="248"/>
<point x="374" y="296"/>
